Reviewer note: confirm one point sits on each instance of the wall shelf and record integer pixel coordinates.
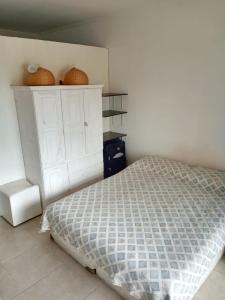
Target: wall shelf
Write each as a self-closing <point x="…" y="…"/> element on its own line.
<point x="112" y="112"/>
<point x="110" y="135"/>
<point x="106" y="95"/>
<point x="114" y="108"/>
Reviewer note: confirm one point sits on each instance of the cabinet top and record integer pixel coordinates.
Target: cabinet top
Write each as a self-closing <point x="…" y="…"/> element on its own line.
<point x="56" y="87"/>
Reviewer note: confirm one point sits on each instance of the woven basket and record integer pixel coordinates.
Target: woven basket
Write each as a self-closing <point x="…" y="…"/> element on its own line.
<point x="75" y="77"/>
<point x="40" y="77"/>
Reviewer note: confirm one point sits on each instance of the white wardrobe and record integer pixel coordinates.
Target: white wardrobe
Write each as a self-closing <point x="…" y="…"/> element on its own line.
<point x="62" y="136"/>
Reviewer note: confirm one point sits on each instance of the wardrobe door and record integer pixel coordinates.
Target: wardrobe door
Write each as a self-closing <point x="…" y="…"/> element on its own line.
<point x="56" y="183"/>
<point x="93" y="121"/>
<point x="50" y="127"/>
<point x="73" y="119"/>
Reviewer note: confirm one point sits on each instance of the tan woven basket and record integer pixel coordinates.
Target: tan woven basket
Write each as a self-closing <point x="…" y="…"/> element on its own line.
<point x="40" y="77"/>
<point x="75" y="77"/>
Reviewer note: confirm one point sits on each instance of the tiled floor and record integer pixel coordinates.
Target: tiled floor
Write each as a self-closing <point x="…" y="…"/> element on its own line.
<point x="32" y="267"/>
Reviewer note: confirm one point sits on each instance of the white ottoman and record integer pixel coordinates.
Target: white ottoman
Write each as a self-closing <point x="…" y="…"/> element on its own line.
<point x="19" y="201"/>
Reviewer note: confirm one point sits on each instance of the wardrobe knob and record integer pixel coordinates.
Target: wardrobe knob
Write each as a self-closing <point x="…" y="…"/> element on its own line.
<point x="85" y="124"/>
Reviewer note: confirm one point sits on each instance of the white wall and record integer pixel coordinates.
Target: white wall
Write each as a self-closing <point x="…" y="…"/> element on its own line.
<point x="57" y="57"/>
<point x="170" y="57"/>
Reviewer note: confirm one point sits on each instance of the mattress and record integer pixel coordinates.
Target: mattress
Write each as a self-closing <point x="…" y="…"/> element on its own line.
<point x="156" y="229"/>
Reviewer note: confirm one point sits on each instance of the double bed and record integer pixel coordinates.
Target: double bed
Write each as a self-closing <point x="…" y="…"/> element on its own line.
<point x="154" y="231"/>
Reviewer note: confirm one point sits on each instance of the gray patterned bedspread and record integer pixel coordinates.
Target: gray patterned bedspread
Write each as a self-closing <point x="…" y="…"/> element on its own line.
<point x="157" y="229"/>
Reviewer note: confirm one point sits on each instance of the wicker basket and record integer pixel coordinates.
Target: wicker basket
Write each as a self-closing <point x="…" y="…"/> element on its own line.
<point x="75" y="77"/>
<point x="40" y="77"/>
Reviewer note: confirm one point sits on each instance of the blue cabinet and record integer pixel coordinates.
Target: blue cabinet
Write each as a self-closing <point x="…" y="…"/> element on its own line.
<point x="114" y="157"/>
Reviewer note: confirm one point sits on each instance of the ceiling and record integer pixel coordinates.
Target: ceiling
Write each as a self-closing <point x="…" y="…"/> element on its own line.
<point x="42" y="15"/>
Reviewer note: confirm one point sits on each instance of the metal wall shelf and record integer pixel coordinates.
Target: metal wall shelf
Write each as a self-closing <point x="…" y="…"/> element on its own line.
<point x="106" y="95"/>
<point x="110" y="135"/>
<point x="116" y="110"/>
<point x="112" y="112"/>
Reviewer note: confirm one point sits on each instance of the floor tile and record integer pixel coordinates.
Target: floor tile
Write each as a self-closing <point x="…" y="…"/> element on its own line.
<point x="32" y="265"/>
<point x="62" y="284"/>
<point x="65" y="258"/>
<point x="14" y="243"/>
<point x="103" y="292"/>
<point x="8" y="286"/>
<point x="5" y="227"/>
<point x="213" y="288"/>
<point x="221" y="266"/>
<point x="33" y="226"/>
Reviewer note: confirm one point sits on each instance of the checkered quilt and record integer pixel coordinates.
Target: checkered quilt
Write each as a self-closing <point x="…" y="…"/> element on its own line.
<point x="156" y="229"/>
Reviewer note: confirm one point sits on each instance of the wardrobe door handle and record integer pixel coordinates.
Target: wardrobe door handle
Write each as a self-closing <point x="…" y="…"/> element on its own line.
<point x="85" y="124"/>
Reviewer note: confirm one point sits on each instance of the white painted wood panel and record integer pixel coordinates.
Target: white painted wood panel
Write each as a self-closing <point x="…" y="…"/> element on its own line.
<point x="93" y="121"/>
<point x="85" y="162"/>
<point x="56" y="182"/>
<point x="93" y="172"/>
<point x="85" y="176"/>
<point x="50" y="127"/>
<point x="28" y="129"/>
<point x="73" y="118"/>
<point x="62" y="137"/>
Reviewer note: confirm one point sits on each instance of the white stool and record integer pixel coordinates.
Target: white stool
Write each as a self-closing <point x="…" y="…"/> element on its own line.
<point x="19" y="201"/>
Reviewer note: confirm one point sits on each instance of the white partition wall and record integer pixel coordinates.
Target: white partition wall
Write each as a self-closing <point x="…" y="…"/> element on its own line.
<point x="16" y="53"/>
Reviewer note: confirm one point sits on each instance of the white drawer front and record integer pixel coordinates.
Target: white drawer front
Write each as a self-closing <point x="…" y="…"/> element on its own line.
<point x="85" y="162"/>
<point x="94" y="172"/>
<point x="56" y="183"/>
<point x="81" y="177"/>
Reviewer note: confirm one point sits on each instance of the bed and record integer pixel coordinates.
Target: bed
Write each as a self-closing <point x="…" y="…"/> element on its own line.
<point x="154" y="231"/>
